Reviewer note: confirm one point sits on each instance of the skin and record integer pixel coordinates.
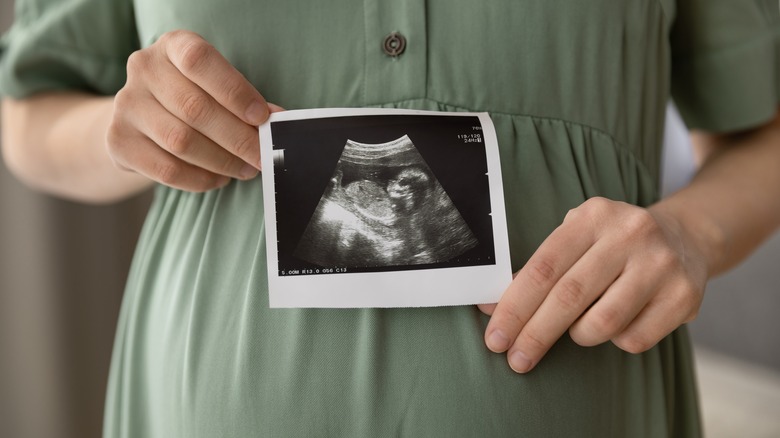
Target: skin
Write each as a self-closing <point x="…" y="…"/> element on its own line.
<point x="185" y="118"/>
<point x="610" y="272"/>
<point x="620" y="273"/>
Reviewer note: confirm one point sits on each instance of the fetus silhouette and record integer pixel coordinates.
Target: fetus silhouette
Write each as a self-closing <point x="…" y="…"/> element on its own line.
<point x="383" y="207"/>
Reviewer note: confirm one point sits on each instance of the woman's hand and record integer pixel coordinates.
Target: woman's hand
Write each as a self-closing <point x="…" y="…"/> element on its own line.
<point x="610" y="272"/>
<point x="186" y="118"/>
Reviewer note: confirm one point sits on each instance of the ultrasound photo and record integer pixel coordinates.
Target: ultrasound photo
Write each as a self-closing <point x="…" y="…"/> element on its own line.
<point x="384" y="207"/>
<point x="378" y="193"/>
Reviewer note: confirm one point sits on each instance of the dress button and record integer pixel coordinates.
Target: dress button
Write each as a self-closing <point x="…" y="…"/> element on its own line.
<point x="394" y="44"/>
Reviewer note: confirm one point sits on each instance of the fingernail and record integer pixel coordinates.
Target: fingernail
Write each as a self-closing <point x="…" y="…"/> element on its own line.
<point x="497" y="341"/>
<point x="247" y="172"/>
<point x="257" y="113"/>
<point x="519" y="362"/>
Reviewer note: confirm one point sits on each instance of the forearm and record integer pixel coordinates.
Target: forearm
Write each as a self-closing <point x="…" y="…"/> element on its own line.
<point x="733" y="203"/>
<point x="56" y="143"/>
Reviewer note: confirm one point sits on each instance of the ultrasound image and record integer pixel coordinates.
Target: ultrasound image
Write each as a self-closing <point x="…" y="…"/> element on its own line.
<point x="384" y="207"/>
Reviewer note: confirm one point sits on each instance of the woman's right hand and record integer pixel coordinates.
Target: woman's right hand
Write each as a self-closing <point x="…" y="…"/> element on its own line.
<point x="186" y="117"/>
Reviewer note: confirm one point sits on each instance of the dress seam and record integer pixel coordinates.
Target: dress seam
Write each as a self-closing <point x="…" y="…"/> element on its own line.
<point x="616" y="143"/>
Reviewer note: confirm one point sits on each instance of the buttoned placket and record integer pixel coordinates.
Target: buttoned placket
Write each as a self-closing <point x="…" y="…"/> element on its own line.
<point x="396" y="51"/>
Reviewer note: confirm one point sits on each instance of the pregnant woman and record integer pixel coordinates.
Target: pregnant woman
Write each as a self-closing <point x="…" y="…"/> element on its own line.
<point x="106" y="97"/>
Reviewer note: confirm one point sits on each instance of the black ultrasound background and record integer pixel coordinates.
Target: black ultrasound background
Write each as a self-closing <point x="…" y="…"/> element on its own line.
<point x="313" y="147"/>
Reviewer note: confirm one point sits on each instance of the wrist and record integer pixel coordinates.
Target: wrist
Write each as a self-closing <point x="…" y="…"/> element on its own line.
<point x="699" y="234"/>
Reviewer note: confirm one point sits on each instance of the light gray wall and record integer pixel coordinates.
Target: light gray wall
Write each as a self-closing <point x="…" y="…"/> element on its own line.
<point x="6" y="13"/>
<point x="62" y="273"/>
<point x="741" y="308"/>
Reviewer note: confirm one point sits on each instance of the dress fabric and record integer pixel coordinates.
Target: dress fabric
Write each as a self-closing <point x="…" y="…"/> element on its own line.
<point x="577" y="92"/>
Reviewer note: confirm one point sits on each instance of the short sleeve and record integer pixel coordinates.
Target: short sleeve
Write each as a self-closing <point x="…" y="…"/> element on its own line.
<point x="67" y="45"/>
<point x="726" y="63"/>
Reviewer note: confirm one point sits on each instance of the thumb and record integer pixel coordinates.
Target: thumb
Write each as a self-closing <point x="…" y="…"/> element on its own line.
<point x="487" y="309"/>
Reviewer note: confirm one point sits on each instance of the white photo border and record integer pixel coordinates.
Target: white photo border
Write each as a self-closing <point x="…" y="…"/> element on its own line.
<point x="403" y="288"/>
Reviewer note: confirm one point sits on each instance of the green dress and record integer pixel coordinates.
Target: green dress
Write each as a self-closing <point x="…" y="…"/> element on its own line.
<point x="577" y="91"/>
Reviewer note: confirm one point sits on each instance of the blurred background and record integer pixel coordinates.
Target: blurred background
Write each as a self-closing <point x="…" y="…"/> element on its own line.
<point x="63" y="268"/>
<point x="62" y="273"/>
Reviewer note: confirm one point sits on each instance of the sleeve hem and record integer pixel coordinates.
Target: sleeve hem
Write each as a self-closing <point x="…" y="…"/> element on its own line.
<point x="728" y="90"/>
<point x="23" y="73"/>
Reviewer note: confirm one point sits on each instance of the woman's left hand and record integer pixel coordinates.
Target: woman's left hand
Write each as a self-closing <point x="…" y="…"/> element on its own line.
<point x="610" y="272"/>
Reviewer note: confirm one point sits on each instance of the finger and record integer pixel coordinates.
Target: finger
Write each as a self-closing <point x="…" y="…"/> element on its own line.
<point x="661" y="316"/>
<point x="188" y="144"/>
<point x="275" y="108"/>
<point x="577" y="289"/>
<point x="565" y="245"/>
<point x="650" y="326"/>
<point x="194" y="107"/>
<point x="145" y="157"/>
<point x="205" y="66"/>
<point x="615" y="309"/>
<point x="487" y="309"/>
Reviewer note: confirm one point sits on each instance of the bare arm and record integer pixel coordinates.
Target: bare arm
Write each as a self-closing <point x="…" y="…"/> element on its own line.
<point x="736" y="193"/>
<point x="185" y="118"/>
<point x="621" y="273"/>
<point x="56" y="143"/>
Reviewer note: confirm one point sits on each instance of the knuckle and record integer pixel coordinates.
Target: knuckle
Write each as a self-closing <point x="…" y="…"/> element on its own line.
<point x="509" y="319"/>
<point x="168" y="37"/>
<point x="541" y="273"/>
<point x="121" y="100"/>
<point x="633" y="343"/>
<point x="193" y="54"/>
<point x="246" y="145"/>
<point x="666" y="259"/>
<point x="176" y="35"/>
<point x="528" y="338"/>
<point x="640" y="222"/>
<point x="227" y="165"/>
<point x="178" y="140"/>
<point x="597" y="205"/>
<point x="194" y="107"/>
<point x="168" y="173"/>
<point x="579" y="213"/>
<point x="592" y="210"/>
<point x="604" y="323"/>
<point x="583" y="336"/>
<point x="570" y="294"/>
<point x="137" y="63"/>
<point x="234" y="91"/>
<point x="688" y="301"/>
<point x="573" y="215"/>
